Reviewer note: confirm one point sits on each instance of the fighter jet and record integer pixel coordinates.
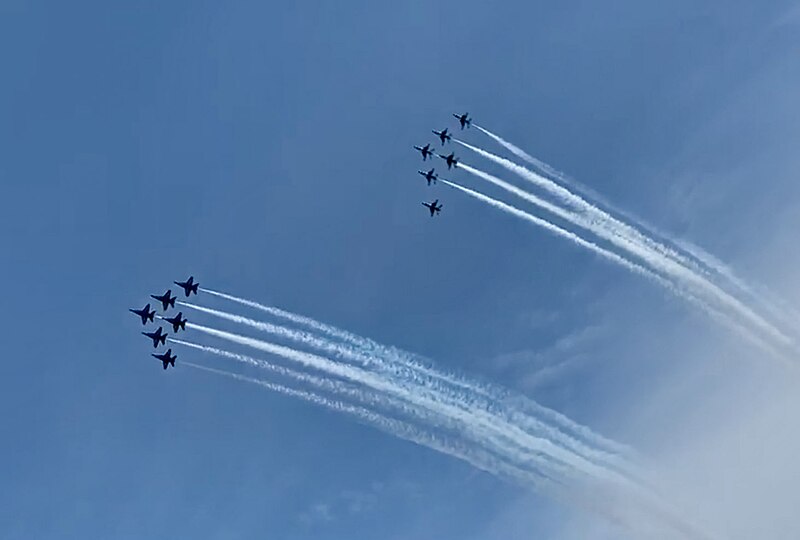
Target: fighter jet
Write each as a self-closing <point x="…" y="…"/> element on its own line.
<point x="177" y="322"/>
<point x="167" y="359"/>
<point x="463" y="119"/>
<point x="157" y="336"/>
<point x="144" y="313"/>
<point x="430" y="176"/>
<point x="188" y="286"/>
<point x="166" y="299"/>
<point x="452" y="160"/>
<point x="433" y="207"/>
<point x="426" y="151"/>
<point x="443" y="135"/>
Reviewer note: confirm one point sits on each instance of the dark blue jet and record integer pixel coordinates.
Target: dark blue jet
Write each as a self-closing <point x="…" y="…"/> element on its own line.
<point x="430" y="176"/>
<point x="176" y="322"/>
<point x="167" y="358"/>
<point x="452" y="160"/>
<point x="463" y="119"/>
<point x="432" y="207"/>
<point x="426" y="151"/>
<point x="144" y="313"/>
<point x="189" y="286"/>
<point x="166" y="299"/>
<point x="443" y="135"/>
<point x="157" y="336"/>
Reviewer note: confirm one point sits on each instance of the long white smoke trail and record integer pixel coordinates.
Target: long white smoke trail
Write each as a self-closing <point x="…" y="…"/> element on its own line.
<point x="520" y="408"/>
<point x="576" y="202"/>
<point x="393" y="367"/>
<point x="621" y="507"/>
<point x="614" y="257"/>
<point x="477" y="458"/>
<point x="481" y="425"/>
<point x="635" y="244"/>
<point x="701" y="256"/>
<point x="329" y="385"/>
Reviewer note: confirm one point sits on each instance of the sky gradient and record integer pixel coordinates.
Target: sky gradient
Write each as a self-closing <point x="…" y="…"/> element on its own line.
<point x="266" y="149"/>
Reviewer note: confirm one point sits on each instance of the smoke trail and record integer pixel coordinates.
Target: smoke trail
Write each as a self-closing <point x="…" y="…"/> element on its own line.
<point x="480" y="424"/>
<point x="615" y="505"/>
<point x="518" y="406"/>
<point x="701" y="256"/>
<point x="613" y="257"/>
<point x="328" y="385"/>
<point x="543" y="167"/>
<point x="397" y="428"/>
<point x="394" y="367"/>
<point x="322" y="383"/>
<point x="568" y="198"/>
<point x="619" y="236"/>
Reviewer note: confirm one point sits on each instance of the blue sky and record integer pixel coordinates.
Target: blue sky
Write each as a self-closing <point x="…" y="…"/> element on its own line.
<point x="266" y="148"/>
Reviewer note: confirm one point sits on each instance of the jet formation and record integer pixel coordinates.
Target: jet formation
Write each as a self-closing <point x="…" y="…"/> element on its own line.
<point x="178" y="322"/>
<point x="450" y="159"/>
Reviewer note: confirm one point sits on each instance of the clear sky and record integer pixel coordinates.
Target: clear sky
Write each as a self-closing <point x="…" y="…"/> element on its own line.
<point x="266" y="149"/>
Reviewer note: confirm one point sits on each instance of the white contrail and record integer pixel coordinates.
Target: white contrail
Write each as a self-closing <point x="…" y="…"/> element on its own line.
<point x="360" y="347"/>
<point x="393" y="366"/>
<point x="287" y="315"/>
<point x="329" y="385"/>
<point x="479" y="459"/>
<point x="543" y="167"/>
<point x="614" y="257"/>
<point x="480" y="424"/>
<point x="706" y="261"/>
<point x="574" y="201"/>
<point x="322" y="383"/>
<point x="656" y="259"/>
<point x="517" y="472"/>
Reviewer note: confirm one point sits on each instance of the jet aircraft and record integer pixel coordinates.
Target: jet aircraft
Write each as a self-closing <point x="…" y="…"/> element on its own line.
<point x="144" y="313"/>
<point x="463" y="119"/>
<point x="189" y="286"/>
<point x="452" y="160"/>
<point x="166" y="299"/>
<point x="430" y="176"/>
<point x="433" y="207"/>
<point x="168" y="359"/>
<point x="426" y="151"/>
<point x="177" y="322"/>
<point x="443" y="135"/>
<point x="157" y="336"/>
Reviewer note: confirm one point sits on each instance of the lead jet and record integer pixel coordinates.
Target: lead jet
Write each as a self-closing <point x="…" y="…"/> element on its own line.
<point x="166" y="299"/>
<point x="157" y="336"/>
<point x="144" y="313"/>
<point x="463" y="119"/>
<point x="443" y="135"/>
<point x="430" y="176"/>
<point x="426" y="151"/>
<point x="452" y="160"/>
<point x="433" y="207"/>
<point x="167" y="358"/>
<point x="189" y="286"/>
<point x="177" y="322"/>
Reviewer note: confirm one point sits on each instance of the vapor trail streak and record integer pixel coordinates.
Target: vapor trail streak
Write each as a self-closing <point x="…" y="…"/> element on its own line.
<point x="393" y="366"/>
<point x="477" y="458"/>
<point x="365" y="351"/>
<point x="613" y="257"/>
<point x="514" y="471"/>
<point x="627" y="238"/>
<point x="480" y="424"/>
<point x="704" y="261"/>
